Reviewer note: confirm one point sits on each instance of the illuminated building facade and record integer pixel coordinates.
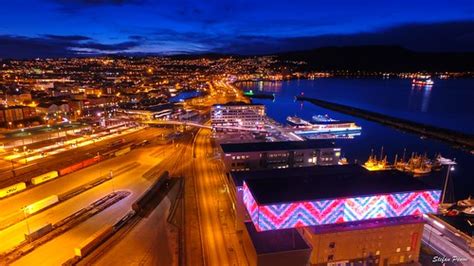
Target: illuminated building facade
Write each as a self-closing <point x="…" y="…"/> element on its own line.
<point x="284" y="154"/>
<point x="237" y="115"/>
<point x="346" y="213"/>
<point x="333" y="211"/>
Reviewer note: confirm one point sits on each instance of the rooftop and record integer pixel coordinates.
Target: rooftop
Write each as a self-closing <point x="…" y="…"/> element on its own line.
<point x="276" y="241"/>
<point x="364" y="225"/>
<point x="238" y="104"/>
<point x="276" y="146"/>
<point x="324" y="182"/>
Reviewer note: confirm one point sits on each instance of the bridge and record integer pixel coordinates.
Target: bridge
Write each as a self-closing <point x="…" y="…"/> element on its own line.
<point x="193" y="124"/>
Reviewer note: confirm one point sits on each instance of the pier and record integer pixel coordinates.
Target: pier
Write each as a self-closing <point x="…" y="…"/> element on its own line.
<point x="453" y="137"/>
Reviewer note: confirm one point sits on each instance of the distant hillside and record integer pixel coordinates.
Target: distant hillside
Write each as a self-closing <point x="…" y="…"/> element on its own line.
<point x="381" y="58"/>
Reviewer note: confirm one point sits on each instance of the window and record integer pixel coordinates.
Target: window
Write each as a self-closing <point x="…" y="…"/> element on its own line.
<point x="377" y="252"/>
<point x="332" y="245"/>
<point x="398" y="249"/>
<point x="408" y="248"/>
<point x="330" y="257"/>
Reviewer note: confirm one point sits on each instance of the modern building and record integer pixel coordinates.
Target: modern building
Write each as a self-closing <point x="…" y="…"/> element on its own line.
<point x="284" y="154"/>
<point x="237" y="115"/>
<point x="346" y="213"/>
<point x="387" y="241"/>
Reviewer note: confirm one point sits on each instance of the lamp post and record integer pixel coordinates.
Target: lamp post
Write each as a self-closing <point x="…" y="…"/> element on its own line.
<point x="450" y="168"/>
<point x="26" y="220"/>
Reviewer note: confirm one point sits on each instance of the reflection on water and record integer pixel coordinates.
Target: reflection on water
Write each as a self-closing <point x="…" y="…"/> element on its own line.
<point x="263" y="86"/>
<point x="448" y="104"/>
<point x="417" y="94"/>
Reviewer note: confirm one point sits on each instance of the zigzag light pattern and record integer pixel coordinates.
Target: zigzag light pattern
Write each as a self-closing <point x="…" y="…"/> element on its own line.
<point x="298" y="214"/>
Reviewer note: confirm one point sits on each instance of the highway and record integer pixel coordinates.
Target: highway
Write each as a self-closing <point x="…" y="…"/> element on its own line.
<point x="443" y="245"/>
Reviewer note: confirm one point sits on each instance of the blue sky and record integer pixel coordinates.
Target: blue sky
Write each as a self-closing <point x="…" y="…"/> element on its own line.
<point x="31" y="28"/>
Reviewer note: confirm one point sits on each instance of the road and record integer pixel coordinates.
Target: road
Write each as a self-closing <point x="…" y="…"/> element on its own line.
<point x="443" y="245"/>
<point x="221" y="244"/>
<point x="152" y="241"/>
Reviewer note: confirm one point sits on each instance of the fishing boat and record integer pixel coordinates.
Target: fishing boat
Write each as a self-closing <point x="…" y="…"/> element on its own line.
<point x="343" y="161"/>
<point x="418" y="165"/>
<point x="373" y="164"/>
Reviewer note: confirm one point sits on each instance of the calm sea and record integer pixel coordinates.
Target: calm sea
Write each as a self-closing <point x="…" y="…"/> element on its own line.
<point x="449" y="104"/>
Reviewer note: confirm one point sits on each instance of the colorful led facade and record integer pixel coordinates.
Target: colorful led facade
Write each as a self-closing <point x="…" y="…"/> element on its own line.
<point x="321" y="212"/>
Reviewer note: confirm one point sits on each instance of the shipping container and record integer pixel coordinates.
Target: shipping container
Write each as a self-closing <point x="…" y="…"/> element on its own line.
<point x="7" y="191"/>
<point x="93" y="241"/>
<point x="39" y="232"/>
<point x="41" y="204"/>
<point x="80" y="165"/>
<point x="70" y="169"/>
<point x="122" y="151"/>
<point x="44" y="177"/>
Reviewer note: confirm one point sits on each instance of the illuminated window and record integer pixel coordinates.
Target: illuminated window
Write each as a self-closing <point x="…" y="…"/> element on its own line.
<point x="398" y="249"/>
<point x="408" y="248"/>
<point x="377" y="252"/>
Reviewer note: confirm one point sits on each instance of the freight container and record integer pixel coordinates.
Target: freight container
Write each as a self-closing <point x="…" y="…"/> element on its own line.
<point x="7" y="191"/>
<point x="41" y="204"/>
<point x="43" y="230"/>
<point x="44" y="177"/>
<point x="70" y="169"/>
<point x="93" y="241"/>
<point x="122" y="151"/>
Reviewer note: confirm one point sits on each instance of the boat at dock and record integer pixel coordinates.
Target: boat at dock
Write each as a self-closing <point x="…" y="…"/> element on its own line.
<point x="373" y="164"/>
<point x="321" y="124"/>
<point x="418" y="165"/>
<point x="469" y="202"/>
<point x="296" y="121"/>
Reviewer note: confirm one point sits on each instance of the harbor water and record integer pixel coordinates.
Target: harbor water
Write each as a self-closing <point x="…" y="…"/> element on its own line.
<point x="447" y="104"/>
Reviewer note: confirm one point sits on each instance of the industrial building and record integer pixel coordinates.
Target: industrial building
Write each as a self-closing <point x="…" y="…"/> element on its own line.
<point x="283" y="154"/>
<point x="346" y="213"/>
<point x="237" y="115"/>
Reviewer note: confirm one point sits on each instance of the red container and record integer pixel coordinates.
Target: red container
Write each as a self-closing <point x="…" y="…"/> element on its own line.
<point x="70" y="169"/>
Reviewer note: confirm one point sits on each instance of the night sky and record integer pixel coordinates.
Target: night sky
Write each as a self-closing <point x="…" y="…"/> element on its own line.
<point x="52" y="28"/>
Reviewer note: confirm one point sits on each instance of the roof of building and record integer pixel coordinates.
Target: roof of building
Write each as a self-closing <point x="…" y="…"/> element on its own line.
<point x="276" y="240"/>
<point x="238" y="104"/>
<point x="325" y="182"/>
<point x="364" y="225"/>
<point x="276" y="146"/>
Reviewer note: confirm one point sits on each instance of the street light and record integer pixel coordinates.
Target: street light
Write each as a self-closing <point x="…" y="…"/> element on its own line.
<point x="450" y="168"/>
<point x="26" y="220"/>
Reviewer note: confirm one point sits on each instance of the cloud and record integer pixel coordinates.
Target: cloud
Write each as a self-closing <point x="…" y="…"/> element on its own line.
<point x="67" y="37"/>
<point x="54" y="46"/>
<point x="449" y="36"/>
